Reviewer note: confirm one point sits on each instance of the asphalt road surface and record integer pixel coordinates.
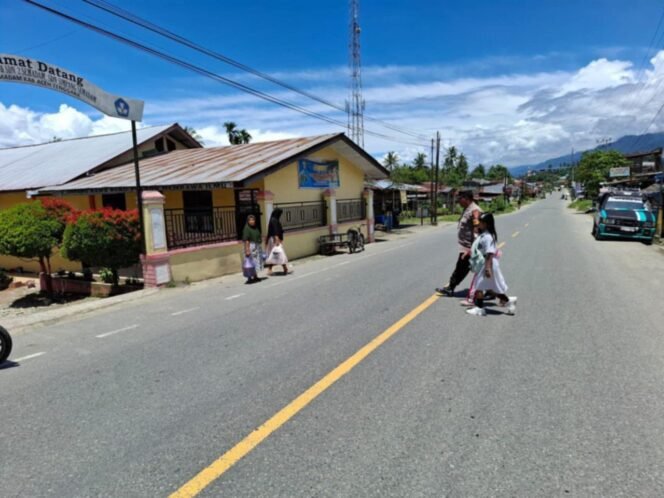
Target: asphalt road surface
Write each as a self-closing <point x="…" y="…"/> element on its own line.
<point x="564" y="399"/>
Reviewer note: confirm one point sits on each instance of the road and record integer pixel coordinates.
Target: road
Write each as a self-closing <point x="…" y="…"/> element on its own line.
<point x="565" y="398"/>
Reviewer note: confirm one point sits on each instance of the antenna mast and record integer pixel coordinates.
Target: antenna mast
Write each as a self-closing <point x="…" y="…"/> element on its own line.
<point x="355" y="106"/>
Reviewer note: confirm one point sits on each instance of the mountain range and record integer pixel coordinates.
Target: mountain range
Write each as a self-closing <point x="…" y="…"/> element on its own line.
<point x="624" y="144"/>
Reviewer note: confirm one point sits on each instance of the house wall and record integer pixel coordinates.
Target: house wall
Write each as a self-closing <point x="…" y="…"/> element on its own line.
<point x="284" y="184"/>
<point x="200" y="263"/>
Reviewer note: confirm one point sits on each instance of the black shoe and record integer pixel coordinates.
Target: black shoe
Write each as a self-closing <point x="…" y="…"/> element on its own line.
<point x="445" y="291"/>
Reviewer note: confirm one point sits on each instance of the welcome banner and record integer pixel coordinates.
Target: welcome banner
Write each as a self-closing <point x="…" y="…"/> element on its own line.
<point x="17" y="69"/>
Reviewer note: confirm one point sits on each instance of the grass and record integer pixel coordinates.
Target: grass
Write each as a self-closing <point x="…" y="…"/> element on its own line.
<point x="581" y="204"/>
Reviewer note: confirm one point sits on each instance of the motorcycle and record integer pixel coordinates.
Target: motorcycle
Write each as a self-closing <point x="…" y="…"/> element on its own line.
<point x="5" y="344"/>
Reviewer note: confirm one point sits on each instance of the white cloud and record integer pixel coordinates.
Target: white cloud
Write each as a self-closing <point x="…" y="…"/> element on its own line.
<point x="600" y="74"/>
<point x="512" y="118"/>
<point x="22" y="126"/>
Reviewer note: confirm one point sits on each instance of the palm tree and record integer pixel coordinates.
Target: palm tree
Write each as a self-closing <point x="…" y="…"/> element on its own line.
<point x="420" y="161"/>
<point x="391" y="160"/>
<point x="194" y="134"/>
<point x="244" y="136"/>
<point x="231" y="130"/>
<point x="462" y="167"/>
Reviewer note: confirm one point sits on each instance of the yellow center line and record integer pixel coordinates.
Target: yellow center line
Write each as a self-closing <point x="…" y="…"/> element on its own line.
<point x="501" y="245"/>
<point x="217" y="468"/>
<point x="526" y="224"/>
<point x="515" y="234"/>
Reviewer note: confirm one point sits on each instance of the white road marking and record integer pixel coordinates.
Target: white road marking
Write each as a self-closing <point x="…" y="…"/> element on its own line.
<point x="234" y="296"/>
<point x="29" y="357"/>
<point x="106" y="334"/>
<point x="184" y="311"/>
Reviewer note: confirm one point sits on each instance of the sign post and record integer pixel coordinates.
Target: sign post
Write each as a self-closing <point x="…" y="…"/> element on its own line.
<point x="19" y="69"/>
<point x="139" y="194"/>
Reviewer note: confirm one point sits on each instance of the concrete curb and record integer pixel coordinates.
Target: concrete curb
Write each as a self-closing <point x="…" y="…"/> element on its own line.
<point x="20" y="324"/>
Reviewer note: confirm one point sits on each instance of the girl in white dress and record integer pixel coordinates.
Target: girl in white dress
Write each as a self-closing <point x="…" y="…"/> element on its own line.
<point x="490" y="278"/>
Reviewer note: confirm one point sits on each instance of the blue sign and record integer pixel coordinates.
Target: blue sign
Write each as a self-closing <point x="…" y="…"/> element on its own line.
<point x="318" y="174"/>
<point x="122" y="108"/>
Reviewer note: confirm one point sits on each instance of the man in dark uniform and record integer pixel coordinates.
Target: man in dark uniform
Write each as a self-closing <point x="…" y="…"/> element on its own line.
<point x="467" y="230"/>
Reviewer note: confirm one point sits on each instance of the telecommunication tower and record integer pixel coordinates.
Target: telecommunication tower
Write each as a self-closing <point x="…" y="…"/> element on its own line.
<point x="355" y="105"/>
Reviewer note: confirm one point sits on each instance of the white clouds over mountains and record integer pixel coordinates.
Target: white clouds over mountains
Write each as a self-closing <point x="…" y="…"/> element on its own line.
<point x="514" y="118"/>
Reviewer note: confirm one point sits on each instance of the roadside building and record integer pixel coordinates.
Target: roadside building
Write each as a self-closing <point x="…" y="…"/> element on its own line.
<point x="491" y="191"/>
<point x="207" y="194"/>
<point x="26" y="169"/>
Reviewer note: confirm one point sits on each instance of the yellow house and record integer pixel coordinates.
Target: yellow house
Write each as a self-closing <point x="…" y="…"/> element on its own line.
<point x="208" y="193"/>
<point x="26" y="169"/>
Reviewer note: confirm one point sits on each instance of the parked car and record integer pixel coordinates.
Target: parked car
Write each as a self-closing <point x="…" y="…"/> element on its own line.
<point x="624" y="214"/>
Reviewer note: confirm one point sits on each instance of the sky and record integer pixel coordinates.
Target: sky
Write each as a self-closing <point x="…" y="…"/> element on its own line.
<point x="505" y="81"/>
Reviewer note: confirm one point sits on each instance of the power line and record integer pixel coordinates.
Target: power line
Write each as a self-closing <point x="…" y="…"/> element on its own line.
<point x="161" y="31"/>
<point x="209" y="74"/>
<point x="48" y="42"/>
<point x="637" y="139"/>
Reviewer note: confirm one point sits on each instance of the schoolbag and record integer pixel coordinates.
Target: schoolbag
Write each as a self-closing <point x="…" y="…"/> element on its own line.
<point x="476" y="257"/>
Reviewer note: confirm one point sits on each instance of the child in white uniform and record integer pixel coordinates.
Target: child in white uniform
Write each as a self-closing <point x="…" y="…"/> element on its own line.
<point x="490" y="278"/>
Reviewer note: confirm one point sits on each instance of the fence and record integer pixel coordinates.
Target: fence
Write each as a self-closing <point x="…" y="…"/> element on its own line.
<point x="302" y="214"/>
<point x="192" y="227"/>
<point x="350" y="210"/>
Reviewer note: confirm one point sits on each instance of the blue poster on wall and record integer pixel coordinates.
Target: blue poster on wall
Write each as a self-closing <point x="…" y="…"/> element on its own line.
<point x="318" y="174"/>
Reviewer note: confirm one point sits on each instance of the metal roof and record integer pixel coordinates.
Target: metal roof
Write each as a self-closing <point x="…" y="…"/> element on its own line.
<point x="220" y="165"/>
<point x="388" y="184"/>
<point x="495" y="188"/>
<point x="54" y="163"/>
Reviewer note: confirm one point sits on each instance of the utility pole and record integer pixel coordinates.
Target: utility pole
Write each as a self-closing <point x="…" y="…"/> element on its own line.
<point x="435" y="215"/>
<point x="432" y="196"/>
<point x="355" y="104"/>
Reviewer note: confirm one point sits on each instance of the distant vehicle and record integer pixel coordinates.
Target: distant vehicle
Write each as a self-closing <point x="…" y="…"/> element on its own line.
<point x="624" y="214"/>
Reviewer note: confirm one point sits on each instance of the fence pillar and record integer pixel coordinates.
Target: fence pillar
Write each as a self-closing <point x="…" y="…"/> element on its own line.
<point x="330" y="196"/>
<point x="155" y="261"/>
<point x="369" y="210"/>
<point x="265" y="200"/>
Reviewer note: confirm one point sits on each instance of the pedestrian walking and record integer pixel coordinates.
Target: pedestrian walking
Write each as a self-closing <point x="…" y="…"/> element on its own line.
<point x="276" y="255"/>
<point x="489" y="276"/>
<point x="467" y="229"/>
<point x="253" y="250"/>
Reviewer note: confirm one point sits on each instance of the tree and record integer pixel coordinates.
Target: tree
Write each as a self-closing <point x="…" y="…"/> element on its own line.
<point x="245" y="137"/>
<point x="594" y="167"/>
<point x="391" y="160"/>
<point x="109" y="238"/>
<point x="462" y="167"/>
<point x="235" y="135"/>
<point x="450" y="160"/>
<point x="194" y="134"/>
<point x="478" y="172"/>
<point x="498" y="172"/>
<point x="32" y="231"/>
<point x="420" y="161"/>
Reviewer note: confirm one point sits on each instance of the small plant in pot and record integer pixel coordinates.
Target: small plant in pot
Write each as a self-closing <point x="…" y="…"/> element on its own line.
<point x="107" y="276"/>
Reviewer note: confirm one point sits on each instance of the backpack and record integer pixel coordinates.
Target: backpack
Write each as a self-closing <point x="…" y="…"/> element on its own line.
<point x="476" y="257"/>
